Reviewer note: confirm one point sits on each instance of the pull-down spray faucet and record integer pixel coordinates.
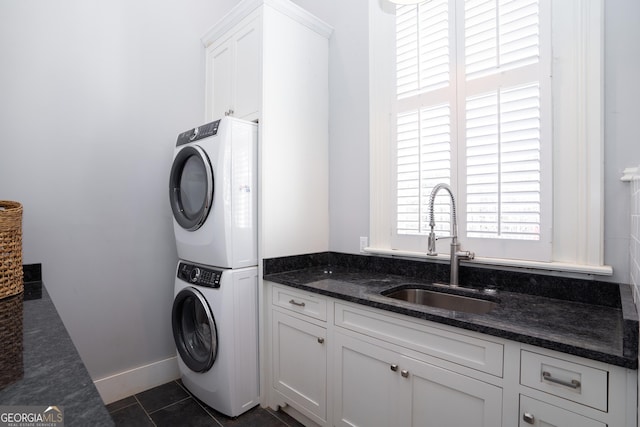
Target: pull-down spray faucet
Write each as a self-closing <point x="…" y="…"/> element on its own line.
<point x="456" y="253"/>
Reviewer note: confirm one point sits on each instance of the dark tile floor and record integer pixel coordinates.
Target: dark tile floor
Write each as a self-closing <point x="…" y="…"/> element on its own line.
<point x="171" y="404"/>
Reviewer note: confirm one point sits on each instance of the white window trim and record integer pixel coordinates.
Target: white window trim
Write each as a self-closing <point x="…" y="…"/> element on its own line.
<point x="578" y="171"/>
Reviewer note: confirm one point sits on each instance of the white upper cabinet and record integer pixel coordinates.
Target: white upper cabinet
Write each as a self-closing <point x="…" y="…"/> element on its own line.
<point x="233" y="73"/>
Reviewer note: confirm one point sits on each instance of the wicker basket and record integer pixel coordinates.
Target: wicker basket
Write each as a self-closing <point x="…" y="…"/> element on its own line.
<point x="11" y="363"/>
<point x="11" y="280"/>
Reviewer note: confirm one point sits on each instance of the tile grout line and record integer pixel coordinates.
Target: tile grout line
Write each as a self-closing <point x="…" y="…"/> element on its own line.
<point x="206" y="411"/>
<point x="275" y="415"/>
<point x="198" y="402"/>
<point x="145" y="410"/>
<point x="124" y="407"/>
<point x="169" y="405"/>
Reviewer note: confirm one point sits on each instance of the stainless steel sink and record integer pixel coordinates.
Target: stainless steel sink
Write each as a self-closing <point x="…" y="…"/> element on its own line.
<point x="442" y="300"/>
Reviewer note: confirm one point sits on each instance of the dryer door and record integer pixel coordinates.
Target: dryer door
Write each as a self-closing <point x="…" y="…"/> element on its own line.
<point x="191" y="187"/>
<point x="194" y="330"/>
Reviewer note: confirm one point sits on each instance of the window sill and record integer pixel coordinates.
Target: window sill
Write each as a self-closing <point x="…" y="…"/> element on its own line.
<point x="561" y="267"/>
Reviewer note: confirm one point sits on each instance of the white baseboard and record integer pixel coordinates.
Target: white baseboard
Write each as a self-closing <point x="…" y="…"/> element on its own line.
<point x="132" y="381"/>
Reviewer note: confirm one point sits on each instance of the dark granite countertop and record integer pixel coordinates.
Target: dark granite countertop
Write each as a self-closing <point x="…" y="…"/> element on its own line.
<point x="53" y="373"/>
<point x="603" y="328"/>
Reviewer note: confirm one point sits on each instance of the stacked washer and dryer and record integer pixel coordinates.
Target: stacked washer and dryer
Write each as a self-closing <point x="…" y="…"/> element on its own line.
<point x="213" y="195"/>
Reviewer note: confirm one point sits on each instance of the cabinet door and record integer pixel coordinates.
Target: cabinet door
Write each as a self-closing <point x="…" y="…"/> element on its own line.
<point x="233" y="73"/>
<point x="247" y="72"/>
<point x="366" y="386"/>
<point x="442" y="398"/>
<point x="300" y="363"/>
<point x="220" y="79"/>
<point x="539" y="414"/>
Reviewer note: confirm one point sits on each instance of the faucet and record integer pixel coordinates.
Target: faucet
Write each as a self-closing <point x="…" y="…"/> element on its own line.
<point x="456" y="253"/>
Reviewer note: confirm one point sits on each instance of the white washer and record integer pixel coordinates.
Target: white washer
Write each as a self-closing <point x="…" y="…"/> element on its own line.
<point x="215" y="328"/>
<point x="213" y="194"/>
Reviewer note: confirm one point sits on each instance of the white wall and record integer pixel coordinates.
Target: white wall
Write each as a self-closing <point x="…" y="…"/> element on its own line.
<point x="92" y="96"/>
<point x="622" y="139"/>
<point x="348" y="119"/>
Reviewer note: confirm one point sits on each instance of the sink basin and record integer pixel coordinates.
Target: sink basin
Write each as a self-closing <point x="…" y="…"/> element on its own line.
<point x="442" y="300"/>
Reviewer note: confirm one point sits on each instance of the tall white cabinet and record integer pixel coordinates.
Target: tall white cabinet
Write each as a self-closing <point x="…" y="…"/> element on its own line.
<point x="267" y="61"/>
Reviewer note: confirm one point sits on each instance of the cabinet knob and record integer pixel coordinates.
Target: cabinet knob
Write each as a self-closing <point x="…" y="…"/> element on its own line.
<point x="404" y="373"/>
<point x="394" y="368"/>
<point x="528" y="418"/>
<point x="320" y="340"/>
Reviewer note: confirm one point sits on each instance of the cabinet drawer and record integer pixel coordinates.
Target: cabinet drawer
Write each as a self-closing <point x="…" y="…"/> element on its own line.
<point x="300" y="302"/>
<point x="536" y="413"/>
<point x="569" y="380"/>
<point x="462" y="349"/>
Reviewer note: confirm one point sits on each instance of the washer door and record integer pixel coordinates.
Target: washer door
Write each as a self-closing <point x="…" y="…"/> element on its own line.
<point x="194" y="330"/>
<point x="191" y="187"/>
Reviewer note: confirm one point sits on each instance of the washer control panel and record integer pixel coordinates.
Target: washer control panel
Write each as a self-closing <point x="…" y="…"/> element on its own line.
<point x="200" y="276"/>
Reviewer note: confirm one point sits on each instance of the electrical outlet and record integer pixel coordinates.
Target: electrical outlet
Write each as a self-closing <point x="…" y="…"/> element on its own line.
<point x="364" y="242"/>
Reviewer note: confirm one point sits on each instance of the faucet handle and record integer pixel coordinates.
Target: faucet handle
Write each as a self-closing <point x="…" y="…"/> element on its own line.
<point x="465" y="255"/>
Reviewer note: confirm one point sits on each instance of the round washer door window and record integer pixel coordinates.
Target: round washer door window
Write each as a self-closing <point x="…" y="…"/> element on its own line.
<point x="194" y="330"/>
<point x="191" y="187"/>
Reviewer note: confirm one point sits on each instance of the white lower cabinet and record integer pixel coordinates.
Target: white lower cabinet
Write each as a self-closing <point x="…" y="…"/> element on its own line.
<point x="300" y="364"/>
<point x="539" y="414"/>
<point x="443" y="398"/>
<point x="366" y="384"/>
<point x="343" y="364"/>
<point x="379" y="386"/>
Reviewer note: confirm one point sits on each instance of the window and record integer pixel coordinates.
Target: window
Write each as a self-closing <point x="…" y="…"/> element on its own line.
<point x="470" y="81"/>
<point x="476" y="101"/>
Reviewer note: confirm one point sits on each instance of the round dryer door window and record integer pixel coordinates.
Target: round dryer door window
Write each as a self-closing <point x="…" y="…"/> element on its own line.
<point x="191" y="187"/>
<point x="194" y="330"/>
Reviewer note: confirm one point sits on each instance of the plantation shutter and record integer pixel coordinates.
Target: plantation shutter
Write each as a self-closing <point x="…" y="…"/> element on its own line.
<point x="422" y="48"/>
<point x="470" y="114"/>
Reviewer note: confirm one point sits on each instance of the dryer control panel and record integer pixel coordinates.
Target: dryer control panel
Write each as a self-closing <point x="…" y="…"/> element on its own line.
<point x="200" y="276"/>
<point x="200" y="132"/>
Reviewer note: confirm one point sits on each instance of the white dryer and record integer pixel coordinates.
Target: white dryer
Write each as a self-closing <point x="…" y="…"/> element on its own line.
<point x="213" y="194"/>
<point x="215" y="328"/>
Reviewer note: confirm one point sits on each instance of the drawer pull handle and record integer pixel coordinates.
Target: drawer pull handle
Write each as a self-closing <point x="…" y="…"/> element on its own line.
<point x="394" y="367"/>
<point x="574" y="384"/>
<point x="320" y="340"/>
<point x="294" y="302"/>
<point x="404" y="373"/>
<point x="528" y="418"/>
